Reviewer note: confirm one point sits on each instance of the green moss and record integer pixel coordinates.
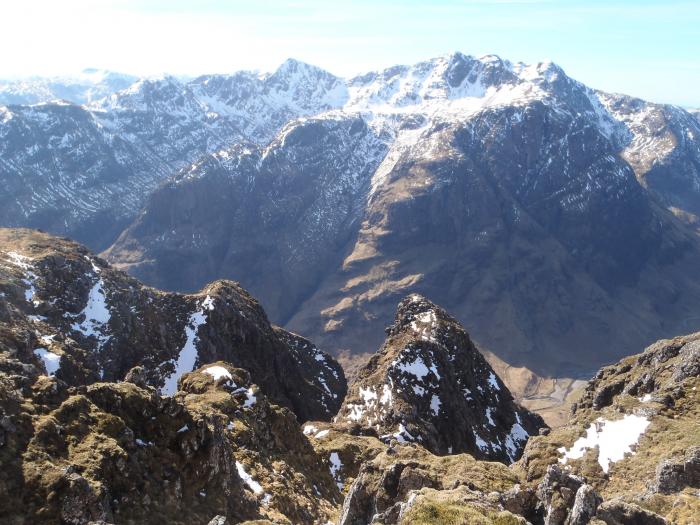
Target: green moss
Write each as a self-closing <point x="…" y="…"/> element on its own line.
<point x="451" y="513"/>
<point x="434" y="513"/>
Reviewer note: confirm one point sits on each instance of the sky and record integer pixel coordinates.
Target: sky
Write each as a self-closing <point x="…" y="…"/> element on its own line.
<point x="649" y="49"/>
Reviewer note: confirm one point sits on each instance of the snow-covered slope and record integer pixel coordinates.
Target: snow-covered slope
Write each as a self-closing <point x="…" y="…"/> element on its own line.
<point x="132" y="137"/>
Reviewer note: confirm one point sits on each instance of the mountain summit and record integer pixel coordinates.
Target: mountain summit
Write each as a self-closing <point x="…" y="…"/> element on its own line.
<point x="523" y="201"/>
<point x="429" y="384"/>
<point x="558" y="221"/>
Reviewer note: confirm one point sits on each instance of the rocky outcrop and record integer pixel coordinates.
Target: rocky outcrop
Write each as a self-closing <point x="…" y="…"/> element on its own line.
<point x="119" y="453"/>
<point x="99" y="425"/>
<point x="70" y="315"/>
<point x="674" y="474"/>
<point x="566" y="499"/>
<point x="631" y="442"/>
<point x="429" y="384"/>
<point x="392" y="482"/>
<point x="600" y="468"/>
<point x="621" y="513"/>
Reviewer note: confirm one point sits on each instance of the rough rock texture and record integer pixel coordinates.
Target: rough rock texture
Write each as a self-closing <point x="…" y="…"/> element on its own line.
<point x="621" y="513"/>
<point x="662" y="147"/>
<point x="384" y="486"/>
<point x="673" y="475"/>
<point x="68" y="312"/>
<point x="566" y="499"/>
<point x="633" y="438"/>
<point x="429" y="384"/>
<point x="118" y="453"/>
<point x="287" y="210"/>
<point x="585" y="506"/>
<point x="87" y="435"/>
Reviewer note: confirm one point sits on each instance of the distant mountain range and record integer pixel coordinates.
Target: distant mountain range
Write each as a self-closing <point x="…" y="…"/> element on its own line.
<point x="89" y="85"/>
<point x="559" y="223"/>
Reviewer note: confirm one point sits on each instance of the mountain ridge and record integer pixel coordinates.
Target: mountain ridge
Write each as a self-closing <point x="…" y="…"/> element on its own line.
<point x="509" y="173"/>
<point x="81" y="442"/>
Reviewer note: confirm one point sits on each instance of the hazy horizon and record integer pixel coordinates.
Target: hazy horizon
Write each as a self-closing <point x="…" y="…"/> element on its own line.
<point x="645" y="49"/>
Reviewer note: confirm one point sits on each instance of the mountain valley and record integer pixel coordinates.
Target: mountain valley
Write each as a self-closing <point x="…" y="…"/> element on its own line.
<point x="204" y="412"/>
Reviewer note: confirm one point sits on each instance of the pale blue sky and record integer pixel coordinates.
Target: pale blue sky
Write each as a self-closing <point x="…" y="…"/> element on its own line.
<point x="649" y="49"/>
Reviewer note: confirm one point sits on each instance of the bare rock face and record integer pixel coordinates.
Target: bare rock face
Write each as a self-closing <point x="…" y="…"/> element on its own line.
<point x="585" y="506"/>
<point x="566" y="499"/>
<point x="429" y="384"/>
<point x="621" y="513"/>
<point x="392" y="483"/>
<point x="673" y="475"/>
<point x="72" y="316"/>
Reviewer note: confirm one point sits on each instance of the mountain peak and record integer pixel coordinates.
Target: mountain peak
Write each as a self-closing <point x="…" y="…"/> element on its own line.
<point x="430" y="385"/>
<point x="292" y="66"/>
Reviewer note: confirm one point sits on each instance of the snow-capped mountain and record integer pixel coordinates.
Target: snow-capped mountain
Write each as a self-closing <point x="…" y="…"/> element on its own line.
<point x="84" y="171"/>
<point x="509" y="193"/>
<point x="132" y="139"/>
<point x="473" y="180"/>
<point x="89" y="85"/>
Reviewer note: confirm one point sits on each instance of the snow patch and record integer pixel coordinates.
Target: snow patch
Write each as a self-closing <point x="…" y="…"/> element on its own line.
<point x="401" y="435"/>
<point x="188" y="354"/>
<point x="335" y="467"/>
<point x="251" y="399"/>
<point x="435" y="404"/>
<point x="415" y="367"/>
<point x="217" y="372"/>
<point x="248" y="479"/>
<point x="52" y="362"/>
<point x="96" y="314"/>
<point x="23" y="262"/>
<point x="309" y="429"/>
<point x="614" y="439"/>
<point x="517" y="437"/>
<point x="489" y="416"/>
<point x="483" y="446"/>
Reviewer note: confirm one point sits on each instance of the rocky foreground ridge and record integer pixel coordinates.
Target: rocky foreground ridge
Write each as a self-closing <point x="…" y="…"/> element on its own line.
<point x="123" y="404"/>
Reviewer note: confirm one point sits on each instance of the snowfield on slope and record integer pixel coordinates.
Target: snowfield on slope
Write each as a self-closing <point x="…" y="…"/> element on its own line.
<point x="614" y="439"/>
